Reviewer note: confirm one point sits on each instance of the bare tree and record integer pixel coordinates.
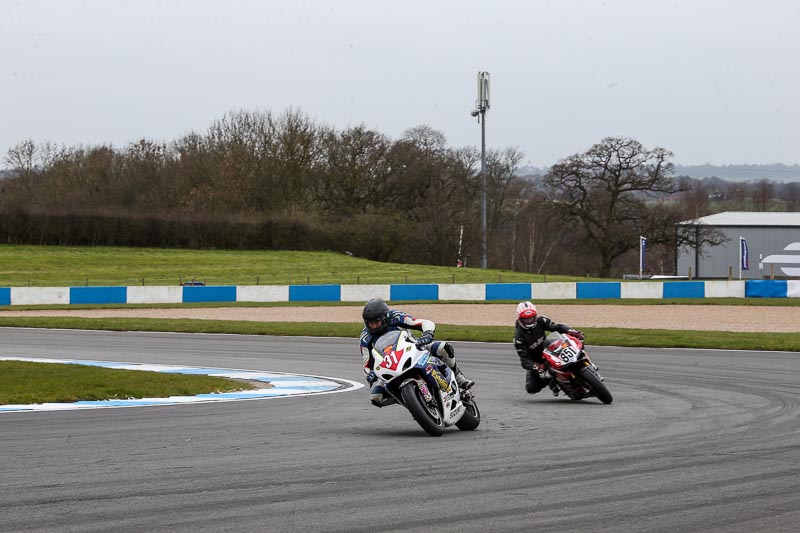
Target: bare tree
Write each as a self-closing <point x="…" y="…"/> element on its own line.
<point x="695" y="199"/>
<point x="762" y="193"/>
<point x="790" y="194"/>
<point x="737" y="195"/>
<point x="605" y="190"/>
<point x="535" y="234"/>
<point x="355" y="171"/>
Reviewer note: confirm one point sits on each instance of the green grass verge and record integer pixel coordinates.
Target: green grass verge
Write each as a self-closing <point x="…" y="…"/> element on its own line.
<point x="595" y="336"/>
<point x="25" y="382"/>
<point x="66" y="266"/>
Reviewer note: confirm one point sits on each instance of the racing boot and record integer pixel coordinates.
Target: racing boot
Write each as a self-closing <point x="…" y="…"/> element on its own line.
<point x="463" y="381"/>
<point x="553" y="386"/>
<point x="379" y="397"/>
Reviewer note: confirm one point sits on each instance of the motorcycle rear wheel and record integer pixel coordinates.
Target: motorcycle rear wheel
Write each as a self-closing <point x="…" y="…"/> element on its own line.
<point x="430" y="421"/>
<point x="593" y="382"/>
<point x="471" y="418"/>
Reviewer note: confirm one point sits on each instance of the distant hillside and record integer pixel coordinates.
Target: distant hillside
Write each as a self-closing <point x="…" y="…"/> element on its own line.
<point x="773" y="172"/>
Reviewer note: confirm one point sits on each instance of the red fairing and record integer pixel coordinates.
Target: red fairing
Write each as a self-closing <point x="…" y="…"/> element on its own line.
<point x="554" y="345"/>
<point x="553" y="361"/>
<point x="576" y="340"/>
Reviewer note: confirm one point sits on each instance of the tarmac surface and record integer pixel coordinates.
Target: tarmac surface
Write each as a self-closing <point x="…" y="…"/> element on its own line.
<point x="696" y="440"/>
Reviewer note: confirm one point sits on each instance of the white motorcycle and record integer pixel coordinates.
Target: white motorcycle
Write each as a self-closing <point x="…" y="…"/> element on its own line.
<point x="423" y="384"/>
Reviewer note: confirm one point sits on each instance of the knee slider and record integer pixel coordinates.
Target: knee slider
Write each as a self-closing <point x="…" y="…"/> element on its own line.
<point x="446" y="353"/>
<point x="532" y="387"/>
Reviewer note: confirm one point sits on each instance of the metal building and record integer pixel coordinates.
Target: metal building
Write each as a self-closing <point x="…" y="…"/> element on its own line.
<point x="771" y="247"/>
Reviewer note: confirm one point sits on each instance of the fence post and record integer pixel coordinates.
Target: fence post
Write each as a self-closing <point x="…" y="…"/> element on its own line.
<point x="690" y="273"/>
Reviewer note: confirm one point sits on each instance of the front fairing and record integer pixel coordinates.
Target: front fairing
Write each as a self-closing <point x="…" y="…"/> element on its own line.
<point x="563" y="352"/>
<point x="566" y="357"/>
<point x="397" y="360"/>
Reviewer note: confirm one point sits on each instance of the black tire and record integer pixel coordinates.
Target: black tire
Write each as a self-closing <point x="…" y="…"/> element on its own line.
<point x="428" y="418"/>
<point x="471" y="418"/>
<point x="593" y="382"/>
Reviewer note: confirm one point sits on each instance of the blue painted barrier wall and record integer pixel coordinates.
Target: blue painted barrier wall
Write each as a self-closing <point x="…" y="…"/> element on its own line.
<point x="404" y="292"/>
<point x="220" y="293"/>
<point x="98" y="295"/>
<point x="684" y="289"/>
<point x="508" y="291"/>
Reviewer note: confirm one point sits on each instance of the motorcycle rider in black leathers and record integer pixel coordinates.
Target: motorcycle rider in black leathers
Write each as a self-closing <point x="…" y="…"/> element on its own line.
<point x="378" y="319"/>
<point x="529" y="336"/>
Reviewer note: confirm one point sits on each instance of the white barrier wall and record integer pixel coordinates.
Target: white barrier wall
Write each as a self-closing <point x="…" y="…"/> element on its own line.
<point x="262" y="293"/>
<point x="468" y="291"/>
<point x="364" y="293"/>
<point x="554" y="291"/>
<point x="724" y="289"/>
<point x="39" y="295"/>
<point x="644" y="289"/>
<point x="793" y="288"/>
<point x="155" y="295"/>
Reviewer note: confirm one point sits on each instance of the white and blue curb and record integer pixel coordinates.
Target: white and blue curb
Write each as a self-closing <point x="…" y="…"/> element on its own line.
<point x="281" y="385"/>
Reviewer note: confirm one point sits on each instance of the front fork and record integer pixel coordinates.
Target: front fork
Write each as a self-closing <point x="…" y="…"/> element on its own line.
<point x="568" y="380"/>
<point x="421" y="385"/>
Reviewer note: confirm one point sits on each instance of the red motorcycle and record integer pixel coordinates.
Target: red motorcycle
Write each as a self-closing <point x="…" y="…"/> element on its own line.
<point x="572" y="370"/>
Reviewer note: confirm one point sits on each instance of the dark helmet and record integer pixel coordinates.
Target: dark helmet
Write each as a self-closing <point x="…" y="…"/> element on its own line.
<point x="376" y="315"/>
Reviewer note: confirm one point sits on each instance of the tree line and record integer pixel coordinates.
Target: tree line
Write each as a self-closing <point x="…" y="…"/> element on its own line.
<point x="264" y="180"/>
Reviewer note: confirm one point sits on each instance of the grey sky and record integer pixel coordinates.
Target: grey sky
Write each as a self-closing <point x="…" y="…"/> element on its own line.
<point x="714" y="81"/>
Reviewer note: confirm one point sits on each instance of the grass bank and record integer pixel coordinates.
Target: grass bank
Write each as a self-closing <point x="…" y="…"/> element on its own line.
<point x="595" y="336"/>
<point x="68" y="266"/>
<point x="25" y="382"/>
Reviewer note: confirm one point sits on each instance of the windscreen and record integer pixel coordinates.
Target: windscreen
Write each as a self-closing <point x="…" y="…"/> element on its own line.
<point x="387" y="339"/>
<point x="553" y="338"/>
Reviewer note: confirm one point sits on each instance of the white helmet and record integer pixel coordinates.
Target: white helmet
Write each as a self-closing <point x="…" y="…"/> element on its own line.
<point x="526" y="315"/>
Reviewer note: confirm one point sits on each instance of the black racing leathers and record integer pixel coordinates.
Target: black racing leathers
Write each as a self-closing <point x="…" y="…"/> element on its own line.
<point x="529" y="344"/>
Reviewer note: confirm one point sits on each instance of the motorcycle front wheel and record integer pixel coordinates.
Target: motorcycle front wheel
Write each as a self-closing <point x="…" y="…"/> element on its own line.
<point x="426" y="416"/>
<point x="471" y="417"/>
<point x="591" y="380"/>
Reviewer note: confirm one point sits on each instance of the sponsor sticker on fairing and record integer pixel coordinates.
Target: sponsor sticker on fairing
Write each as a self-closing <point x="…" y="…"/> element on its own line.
<point x="440" y="381"/>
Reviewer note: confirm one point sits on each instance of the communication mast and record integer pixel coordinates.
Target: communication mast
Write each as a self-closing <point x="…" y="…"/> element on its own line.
<point x="481" y="107"/>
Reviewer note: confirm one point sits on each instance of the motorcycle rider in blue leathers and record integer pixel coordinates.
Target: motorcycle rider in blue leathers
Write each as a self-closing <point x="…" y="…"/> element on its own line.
<point x="378" y="319"/>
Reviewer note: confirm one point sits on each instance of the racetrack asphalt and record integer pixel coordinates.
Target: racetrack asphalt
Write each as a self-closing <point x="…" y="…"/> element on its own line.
<point x="696" y="440"/>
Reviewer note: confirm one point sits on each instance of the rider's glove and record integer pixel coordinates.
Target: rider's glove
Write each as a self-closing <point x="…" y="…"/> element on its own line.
<point x="425" y="339"/>
<point x="575" y="333"/>
<point x="371" y="377"/>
